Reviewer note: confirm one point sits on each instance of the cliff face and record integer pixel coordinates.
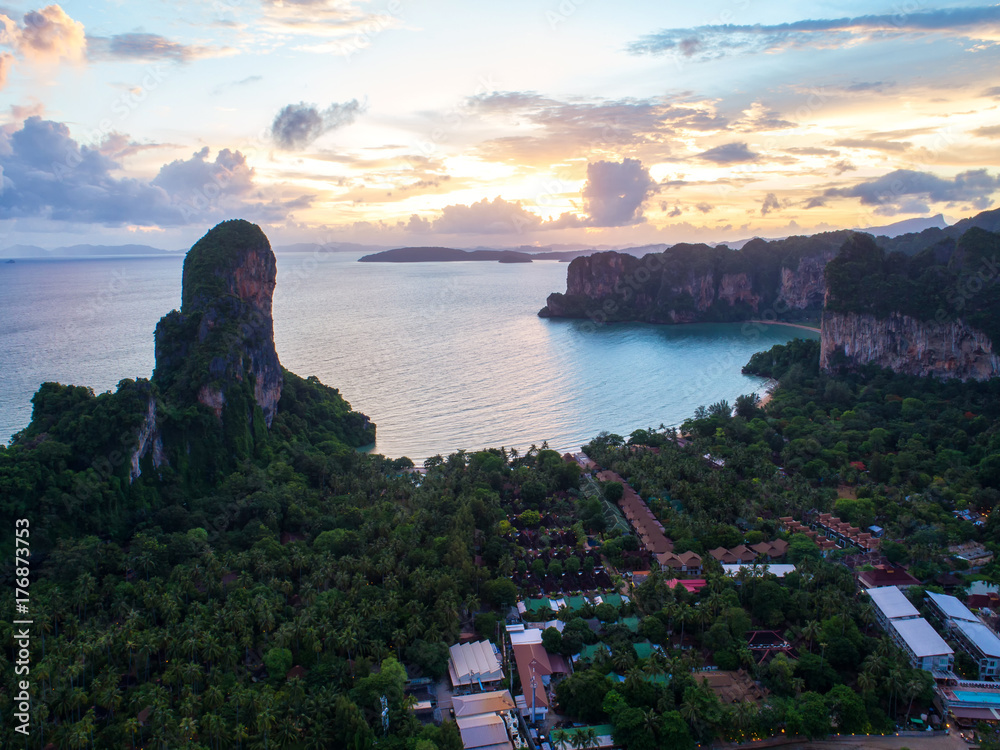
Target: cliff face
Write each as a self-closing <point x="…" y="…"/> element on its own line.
<point x="148" y="440"/>
<point x="220" y="345"/>
<point x="906" y="345"/>
<point x="685" y="284"/>
<point x="804" y="287"/>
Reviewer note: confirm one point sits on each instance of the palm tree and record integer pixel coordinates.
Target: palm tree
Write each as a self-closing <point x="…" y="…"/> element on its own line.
<point x="811" y="631"/>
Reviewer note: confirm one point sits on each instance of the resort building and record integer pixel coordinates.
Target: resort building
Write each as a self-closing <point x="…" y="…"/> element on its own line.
<point x="968" y="702"/>
<point x="891" y="604"/>
<point x="688" y="563"/>
<point x="778" y="570"/>
<point x="885" y="575"/>
<point x="474" y="665"/>
<point x="969" y="632"/>
<point x="924" y="647"/>
<point x="535" y="668"/>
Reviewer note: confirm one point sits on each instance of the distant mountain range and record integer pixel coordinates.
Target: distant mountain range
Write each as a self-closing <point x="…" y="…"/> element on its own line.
<point x="450" y="254"/>
<point x="382" y="254"/>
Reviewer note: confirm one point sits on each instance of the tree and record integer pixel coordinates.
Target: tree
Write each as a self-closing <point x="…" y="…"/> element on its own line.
<point x="278" y="661"/>
<point x="582" y="695"/>
<point x="613" y="491"/>
<point x="847" y="710"/>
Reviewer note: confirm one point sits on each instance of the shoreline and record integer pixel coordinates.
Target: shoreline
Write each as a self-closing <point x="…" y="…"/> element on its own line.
<point x="769" y="386"/>
<point x="790" y="325"/>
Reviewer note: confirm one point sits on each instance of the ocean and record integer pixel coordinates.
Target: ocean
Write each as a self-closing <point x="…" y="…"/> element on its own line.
<point x="441" y="356"/>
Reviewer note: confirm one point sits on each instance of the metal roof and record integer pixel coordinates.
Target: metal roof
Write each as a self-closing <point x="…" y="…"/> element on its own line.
<point x="892" y="603"/>
<point x="921" y="638"/>
<point x="953" y="608"/>
<point x="482" y="731"/>
<point x="473" y="662"/>
<point x="984" y="638"/>
<point x="482" y="703"/>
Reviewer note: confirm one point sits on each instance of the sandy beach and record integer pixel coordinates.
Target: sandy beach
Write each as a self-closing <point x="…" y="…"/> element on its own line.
<point x="782" y="323"/>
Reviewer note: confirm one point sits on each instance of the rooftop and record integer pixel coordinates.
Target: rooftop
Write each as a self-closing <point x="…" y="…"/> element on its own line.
<point x="469" y="663"/>
<point x="952" y="607"/>
<point x="922" y="639"/>
<point x="482" y="703"/>
<point x="984" y="638"/>
<point x="892" y="603"/>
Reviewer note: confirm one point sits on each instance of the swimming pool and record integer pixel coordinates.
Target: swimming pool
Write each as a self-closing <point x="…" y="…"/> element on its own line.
<point x="975" y="696"/>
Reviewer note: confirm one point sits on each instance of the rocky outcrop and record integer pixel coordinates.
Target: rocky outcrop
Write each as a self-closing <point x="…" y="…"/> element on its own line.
<point x="804" y="287"/>
<point x="148" y="440"/>
<point x="221" y="341"/>
<point x="907" y="345"/>
<point x="685" y="284"/>
<point x="737" y="287"/>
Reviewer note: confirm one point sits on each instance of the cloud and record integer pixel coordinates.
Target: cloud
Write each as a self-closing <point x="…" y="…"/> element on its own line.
<point x="340" y="25"/>
<point x="729" y="153"/>
<point x="874" y="144"/>
<point x="992" y="93"/>
<point x="48" y="174"/>
<point x="759" y="118"/>
<point x="45" y="173"/>
<point x="843" y="166"/>
<point x="990" y="131"/>
<point x="298" y="125"/>
<point x="485" y="217"/>
<point x="725" y="40"/>
<point x="139" y="46"/>
<point x="901" y="190"/>
<point x="228" y="175"/>
<point x="615" y="191"/>
<point x="46" y="36"/>
<point x="704" y="207"/>
<point x="6" y="63"/>
<point x="556" y="130"/>
<point x="770" y="204"/>
<point x="236" y="84"/>
<point x="811" y="151"/>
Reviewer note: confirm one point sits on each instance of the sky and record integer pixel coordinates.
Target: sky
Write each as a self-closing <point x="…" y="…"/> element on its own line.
<point x="527" y="122"/>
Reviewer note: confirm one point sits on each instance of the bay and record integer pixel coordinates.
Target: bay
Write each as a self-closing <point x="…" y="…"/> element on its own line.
<point x="442" y="356"/>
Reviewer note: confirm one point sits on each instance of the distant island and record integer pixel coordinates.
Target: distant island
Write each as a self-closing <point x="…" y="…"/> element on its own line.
<point x="451" y="254"/>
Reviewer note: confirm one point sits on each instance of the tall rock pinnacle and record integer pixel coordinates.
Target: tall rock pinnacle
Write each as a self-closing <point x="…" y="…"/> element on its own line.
<point x="218" y="349"/>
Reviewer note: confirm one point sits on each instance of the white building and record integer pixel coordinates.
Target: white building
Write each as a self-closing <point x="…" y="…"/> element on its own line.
<point x="891" y="604"/>
<point x="922" y="644"/>
<point x="977" y="640"/>
<point x="474" y="665"/>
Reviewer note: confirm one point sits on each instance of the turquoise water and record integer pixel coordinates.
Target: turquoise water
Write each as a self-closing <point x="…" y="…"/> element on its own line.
<point x="976" y="697"/>
<point x="441" y="356"/>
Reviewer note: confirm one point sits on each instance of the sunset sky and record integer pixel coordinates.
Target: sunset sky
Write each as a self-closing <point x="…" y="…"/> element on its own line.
<point x="464" y="123"/>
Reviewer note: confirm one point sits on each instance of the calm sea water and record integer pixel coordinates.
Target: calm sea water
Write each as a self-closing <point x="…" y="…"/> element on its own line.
<point x="441" y="356"/>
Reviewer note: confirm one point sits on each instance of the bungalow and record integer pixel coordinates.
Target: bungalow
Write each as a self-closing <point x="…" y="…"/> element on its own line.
<point x="686" y="562"/>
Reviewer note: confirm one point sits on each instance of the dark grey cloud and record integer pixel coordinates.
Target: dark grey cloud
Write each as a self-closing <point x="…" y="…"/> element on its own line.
<point x="729" y="153"/>
<point x="298" y="125"/>
<point x="140" y="46"/>
<point x="704" y="207"/>
<point x="615" y="191"/>
<point x="48" y="174"/>
<point x="905" y="190"/>
<point x="770" y="204"/>
<point x="45" y="173"/>
<point x="724" y="40"/>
